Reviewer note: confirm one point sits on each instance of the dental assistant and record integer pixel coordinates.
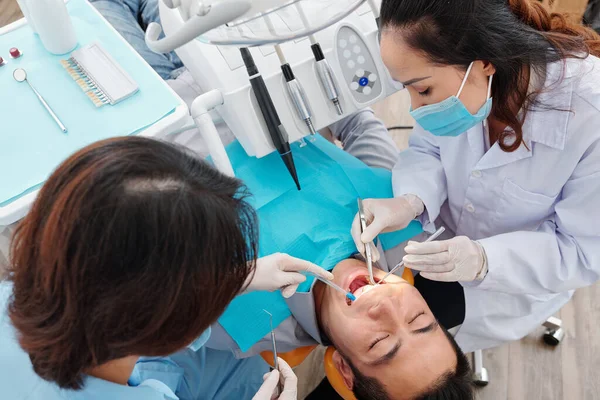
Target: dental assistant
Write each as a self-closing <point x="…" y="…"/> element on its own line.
<point x="505" y="153"/>
<point x="132" y="249"/>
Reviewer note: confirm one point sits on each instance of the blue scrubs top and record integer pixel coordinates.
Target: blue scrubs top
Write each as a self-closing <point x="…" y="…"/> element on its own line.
<point x="188" y="374"/>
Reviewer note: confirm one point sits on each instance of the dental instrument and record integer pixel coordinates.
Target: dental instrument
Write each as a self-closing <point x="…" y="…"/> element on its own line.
<point x="323" y="68"/>
<point x="274" y="343"/>
<point x="267" y="108"/>
<point x="294" y="88"/>
<point x="368" y="254"/>
<point x="435" y="235"/>
<point x="349" y="295"/>
<point x="332" y="46"/>
<point x="20" y="75"/>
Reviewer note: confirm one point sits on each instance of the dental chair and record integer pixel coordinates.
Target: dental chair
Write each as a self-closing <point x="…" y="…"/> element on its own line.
<point x="553" y="336"/>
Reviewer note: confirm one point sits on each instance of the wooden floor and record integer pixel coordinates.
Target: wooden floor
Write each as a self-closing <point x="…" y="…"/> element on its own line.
<point x="528" y="369"/>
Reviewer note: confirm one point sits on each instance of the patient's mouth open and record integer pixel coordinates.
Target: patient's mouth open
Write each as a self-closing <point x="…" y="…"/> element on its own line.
<point x="360" y="285"/>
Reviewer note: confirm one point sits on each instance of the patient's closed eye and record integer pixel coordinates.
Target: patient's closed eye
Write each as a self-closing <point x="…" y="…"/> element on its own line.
<point x="416" y="316"/>
<point x="377" y="341"/>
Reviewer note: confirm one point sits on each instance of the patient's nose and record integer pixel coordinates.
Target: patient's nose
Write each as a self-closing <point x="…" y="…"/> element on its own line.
<point x="386" y="308"/>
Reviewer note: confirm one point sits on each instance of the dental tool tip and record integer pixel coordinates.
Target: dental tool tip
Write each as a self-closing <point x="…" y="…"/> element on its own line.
<point x="311" y="126"/>
<point x="351" y="296"/>
<point x="338" y="106"/>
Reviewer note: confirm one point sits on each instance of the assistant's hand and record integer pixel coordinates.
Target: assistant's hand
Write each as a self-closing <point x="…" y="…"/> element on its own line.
<point x="457" y="259"/>
<point x="281" y="271"/>
<point x="288" y="379"/>
<point x="385" y="215"/>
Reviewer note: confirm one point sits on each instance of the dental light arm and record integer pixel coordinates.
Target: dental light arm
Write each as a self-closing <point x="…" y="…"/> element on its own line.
<point x="203" y="18"/>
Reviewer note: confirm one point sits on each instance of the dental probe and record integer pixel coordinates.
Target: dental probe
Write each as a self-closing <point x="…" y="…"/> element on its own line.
<point x="275" y="355"/>
<point x="435" y="235"/>
<point x="333" y="285"/>
<point x="363" y="228"/>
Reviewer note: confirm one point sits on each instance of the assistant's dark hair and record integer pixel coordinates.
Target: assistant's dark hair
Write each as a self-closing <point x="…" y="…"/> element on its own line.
<point x="455" y="385"/>
<point x="132" y="247"/>
<point x="513" y="35"/>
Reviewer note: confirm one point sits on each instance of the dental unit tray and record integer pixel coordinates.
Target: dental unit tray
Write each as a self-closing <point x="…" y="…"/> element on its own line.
<point x="99" y="75"/>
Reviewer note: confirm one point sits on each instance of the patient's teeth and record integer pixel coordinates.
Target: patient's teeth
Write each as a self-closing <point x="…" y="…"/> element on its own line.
<point x="360" y="291"/>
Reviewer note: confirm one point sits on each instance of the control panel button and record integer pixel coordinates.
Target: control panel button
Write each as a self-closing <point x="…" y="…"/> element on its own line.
<point x="347" y="54"/>
<point x="356" y="49"/>
<point x="354" y="86"/>
<point x="363" y="81"/>
<point x="353" y="39"/>
<point x="361" y="60"/>
<point x="343" y="43"/>
<point x="367" y="91"/>
<point x="351" y="64"/>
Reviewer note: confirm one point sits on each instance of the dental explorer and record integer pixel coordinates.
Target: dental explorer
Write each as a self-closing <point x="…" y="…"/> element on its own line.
<point x="267" y="108"/>
<point x="363" y="227"/>
<point x="435" y="235"/>
<point x="275" y="356"/>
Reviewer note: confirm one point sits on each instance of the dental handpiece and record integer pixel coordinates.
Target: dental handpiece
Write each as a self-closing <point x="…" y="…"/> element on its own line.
<point x="326" y="77"/>
<point x="296" y="93"/>
<point x="323" y="68"/>
<point x="267" y="108"/>
<point x="435" y="235"/>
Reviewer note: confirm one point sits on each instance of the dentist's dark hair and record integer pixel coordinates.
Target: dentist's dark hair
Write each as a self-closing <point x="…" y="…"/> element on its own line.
<point x="132" y="247"/>
<point x="511" y="34"/>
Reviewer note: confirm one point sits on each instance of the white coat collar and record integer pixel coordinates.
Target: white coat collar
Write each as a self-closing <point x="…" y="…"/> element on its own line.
<point x="545" y="124"/>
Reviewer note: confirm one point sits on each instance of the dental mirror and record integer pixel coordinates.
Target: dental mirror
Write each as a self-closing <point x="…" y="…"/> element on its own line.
<point x="20" y="75"/>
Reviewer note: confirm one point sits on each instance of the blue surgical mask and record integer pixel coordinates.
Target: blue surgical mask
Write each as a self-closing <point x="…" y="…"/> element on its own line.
<point x="201" y="341"/>
<point x="450" y="117"/>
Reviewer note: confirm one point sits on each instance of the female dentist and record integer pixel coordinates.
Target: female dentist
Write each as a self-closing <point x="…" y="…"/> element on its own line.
<point x="134" y="247"/>
<point x="505" y="151"/>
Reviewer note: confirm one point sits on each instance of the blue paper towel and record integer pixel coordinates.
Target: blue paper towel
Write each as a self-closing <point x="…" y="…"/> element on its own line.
<point x="31" y="144"/>
<point x="312" y="224"/>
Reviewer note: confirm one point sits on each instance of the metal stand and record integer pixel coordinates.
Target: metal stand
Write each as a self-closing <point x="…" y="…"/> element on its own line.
<point x="553" y="336"/>
<point x="554" y="331"/>
<point x="480" y="374"/>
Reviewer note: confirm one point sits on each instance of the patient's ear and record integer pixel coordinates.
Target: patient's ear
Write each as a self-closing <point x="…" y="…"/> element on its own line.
<point x="344" y="369"/>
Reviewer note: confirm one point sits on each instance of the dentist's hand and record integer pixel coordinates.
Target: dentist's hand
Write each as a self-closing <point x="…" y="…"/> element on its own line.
<point x="385" y="215"/>
<point x="281" y="271"/>
<point x="456" y="260"/>
<point x="288" y="380"/>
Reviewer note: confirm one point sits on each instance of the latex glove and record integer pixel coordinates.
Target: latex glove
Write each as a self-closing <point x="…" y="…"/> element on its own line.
<point x="281" y="271"/>
<point x="385" y="215"/>
<point x="454" y="260"/>
<point x="286" y="376"/>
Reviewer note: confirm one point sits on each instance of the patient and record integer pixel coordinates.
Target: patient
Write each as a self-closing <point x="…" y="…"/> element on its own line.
<point x="389" y="343"/>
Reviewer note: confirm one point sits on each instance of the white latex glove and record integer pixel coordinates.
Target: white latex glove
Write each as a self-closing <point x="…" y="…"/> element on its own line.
<point x="454" y="260"/>
<point x="289" y="382"/>
<point x="385" y="215"/>
<point x="281" y="271"/>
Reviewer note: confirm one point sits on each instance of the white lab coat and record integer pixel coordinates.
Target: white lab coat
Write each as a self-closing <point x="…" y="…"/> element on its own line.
<point x="536" y="212"/>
